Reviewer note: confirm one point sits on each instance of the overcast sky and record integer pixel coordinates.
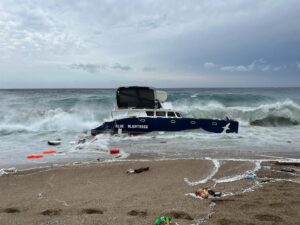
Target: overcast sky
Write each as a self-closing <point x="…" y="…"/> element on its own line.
<point x="97" y="44"/>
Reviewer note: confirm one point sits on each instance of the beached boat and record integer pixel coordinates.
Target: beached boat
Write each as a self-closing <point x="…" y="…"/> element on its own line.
<point x="140" y="110"/>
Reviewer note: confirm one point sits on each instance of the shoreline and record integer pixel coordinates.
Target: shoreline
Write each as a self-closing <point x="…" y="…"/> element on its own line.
<point x="214" y="154"/>
<point x="103" y="193"/>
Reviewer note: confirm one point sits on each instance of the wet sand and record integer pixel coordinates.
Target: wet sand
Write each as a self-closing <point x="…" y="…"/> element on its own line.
<point x="104" y="193"/>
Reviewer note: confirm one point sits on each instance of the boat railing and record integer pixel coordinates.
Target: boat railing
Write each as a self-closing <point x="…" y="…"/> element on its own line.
<point x="139" y="112"/>
<point x="127" y="111"/>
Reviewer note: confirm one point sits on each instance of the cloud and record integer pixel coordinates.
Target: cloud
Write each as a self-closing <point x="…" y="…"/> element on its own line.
<point x="240" y="68"/>
<point x="257" y="65"/>
<point x="277" y="68"/>
<point x="34" y="31"/>
<point x="298" y="65"/>
<point x="91" y="68"/>
<point x="118" y="66"/>
<point x="266" y="68"/>
<point x="152" y="22"/>
<point x="197" y="37"/>
<point x="210" y="65"/>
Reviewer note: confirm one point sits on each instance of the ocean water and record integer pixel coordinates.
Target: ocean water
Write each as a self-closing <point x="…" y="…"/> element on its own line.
<point x="269" y="122"/>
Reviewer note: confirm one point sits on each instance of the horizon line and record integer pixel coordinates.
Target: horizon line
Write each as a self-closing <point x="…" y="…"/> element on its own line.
<point x="109" y="88"/>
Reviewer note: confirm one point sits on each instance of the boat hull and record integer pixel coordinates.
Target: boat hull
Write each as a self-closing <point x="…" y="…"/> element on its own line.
<point x="141" y="125"/>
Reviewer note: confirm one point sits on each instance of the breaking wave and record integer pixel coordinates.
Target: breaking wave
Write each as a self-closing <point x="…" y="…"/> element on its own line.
<point x="49" y="120"/>
<point x="72" y="111"/>
<point x="282" y="113"/>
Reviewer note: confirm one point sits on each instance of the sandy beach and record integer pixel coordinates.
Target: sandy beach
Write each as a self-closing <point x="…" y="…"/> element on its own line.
<point x="104" y="193"/>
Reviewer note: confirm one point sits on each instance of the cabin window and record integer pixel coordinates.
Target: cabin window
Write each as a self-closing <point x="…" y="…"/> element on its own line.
<point x="160" y="113"/>
<point x="178" y="114"/>
<point x="150" y="113"/>
<point x="171" y="114"/>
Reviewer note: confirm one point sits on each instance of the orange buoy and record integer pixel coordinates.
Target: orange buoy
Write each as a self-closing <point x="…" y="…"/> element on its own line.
<point x="114" y="151"/>
<point x="34" y="156"/>
<point x="49" y="152"/>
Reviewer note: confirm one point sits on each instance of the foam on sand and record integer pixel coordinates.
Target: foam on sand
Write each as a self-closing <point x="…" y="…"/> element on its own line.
<point x="216" y="167"/>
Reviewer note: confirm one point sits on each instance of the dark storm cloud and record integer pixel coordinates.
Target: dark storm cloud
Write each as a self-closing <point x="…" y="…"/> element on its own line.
<point x="208" y="40"/>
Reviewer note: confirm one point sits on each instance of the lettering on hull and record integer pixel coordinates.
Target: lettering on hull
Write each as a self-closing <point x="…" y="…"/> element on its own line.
<point x="138" y="126"/>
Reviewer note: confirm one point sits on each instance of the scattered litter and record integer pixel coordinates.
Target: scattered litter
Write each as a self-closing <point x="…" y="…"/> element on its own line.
<point x="140" y="170"/>
<point x="201" y="193"/>
<point x="214" y="193"/>
<point x="54" y="142"/>
<point x="288" y="169"/>
<point x="218" y="194"/>
<point x="114" y="151"/>
<point x="162" y="220"/>
<point x="7" y="171"/>
<point x="34" y="156"/>
<point x="250" y="175"/>
<point x="49" y="152"/>
<point x="210" y="191"/>
<point x="266" y="180"/>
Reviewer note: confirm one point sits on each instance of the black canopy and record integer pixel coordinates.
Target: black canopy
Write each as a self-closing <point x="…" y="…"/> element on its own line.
<point x="137" y="97"/>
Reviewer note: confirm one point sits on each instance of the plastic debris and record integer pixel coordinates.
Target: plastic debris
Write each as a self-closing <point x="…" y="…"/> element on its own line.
<point x="250" y="175"/>
<point x="162" y="220"/>
<point x="201" y="193"/>
<point x="211" y="192"/>
<point x="218" y="194"/>
<point x="265" y="180"/>
<point x="114" y="151"/>
<point x="288" y="169"/>
<point x="49" y="152"/>
<point x="140" y="170"/>
<point x="34" y="156"/>
<point x="54" y="142"/>
<point x="214" y="193"/>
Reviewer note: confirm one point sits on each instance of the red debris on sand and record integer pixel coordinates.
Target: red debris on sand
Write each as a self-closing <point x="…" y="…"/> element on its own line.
<point x="49" y="152"/>
<point x="35" y="156"/>
<point x="114" y="151"/>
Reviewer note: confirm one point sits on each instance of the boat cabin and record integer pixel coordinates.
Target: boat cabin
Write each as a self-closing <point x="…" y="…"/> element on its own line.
<point x="145" y="113"/>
